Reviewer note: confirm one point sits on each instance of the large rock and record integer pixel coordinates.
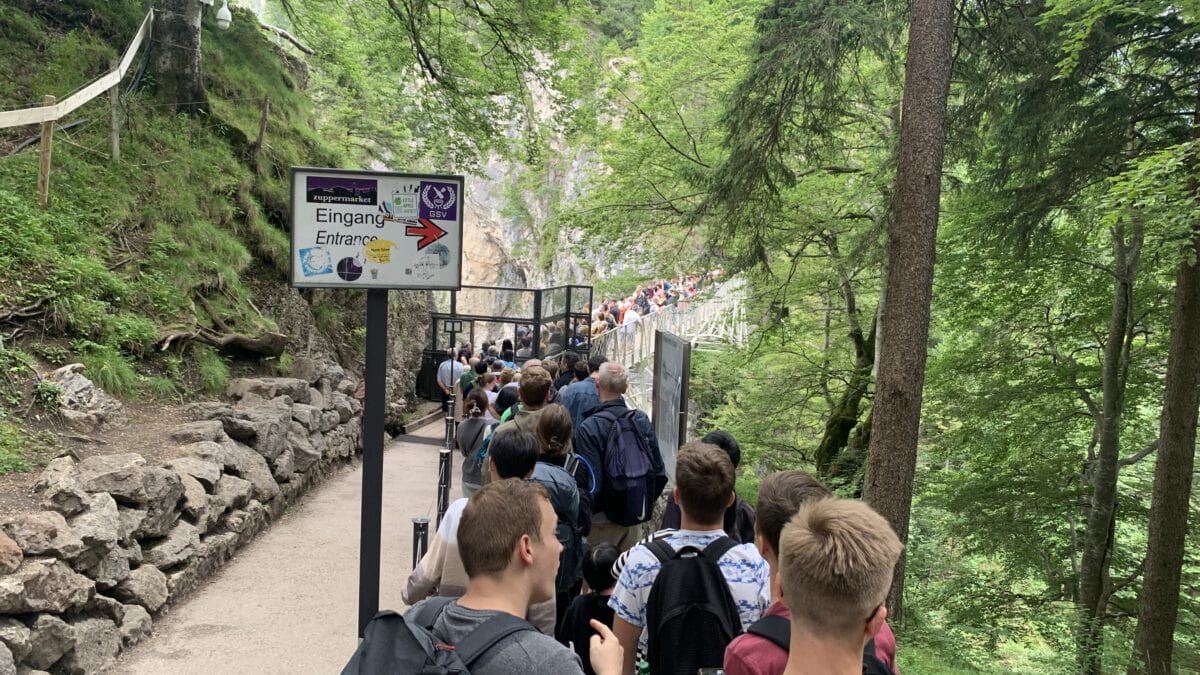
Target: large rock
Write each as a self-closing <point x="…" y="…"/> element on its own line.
<point x="307" y="415"/>
<point x="135" y="626"/>
<point x="163" y="490"/>
<point x="8" y="664"/>
<point x="97" y="642"/>
<point x="329" y="420"/>
<point x="175" y="548"/>
<point x="129" y="520"/>
<point x="80" y="395"/>
<point x="50" y="637"/>
<point x="195" y="432"/>
<point x="102" y="605"/>
<point x="119" y="475"/>
<point x="269" y="388"/>
<point x="44" y="533"/>
<point x="15" y="636"/>
<point x="262" y="426"/>
<point x="207" y="451"/>
<point x="99" y="527"/>
<point x="203" y="470"/>
<point x="43" y="585"/>
<point x="231" y="493"/>
<point x="146" y="586"/>
<point x="60" y="488"/>
<point x="195" y="502"/>
<point x="345" y="406"/>
<point x="10" y="554"/>
<point x="248" y="464"/>
<point x="207" y="410"/>
<point x="304" y="454"/>
<point x="107" y="571"/>
<point x="283" y="466"/>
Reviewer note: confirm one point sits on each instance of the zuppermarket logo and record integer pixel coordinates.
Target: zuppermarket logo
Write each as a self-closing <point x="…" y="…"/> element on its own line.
<point x="336" y="190"/>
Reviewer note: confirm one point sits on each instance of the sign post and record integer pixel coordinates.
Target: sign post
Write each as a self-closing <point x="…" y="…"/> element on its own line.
<point x="375" y="231"/>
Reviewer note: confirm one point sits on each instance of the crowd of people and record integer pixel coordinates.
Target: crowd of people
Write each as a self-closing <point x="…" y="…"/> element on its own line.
<point x="560" y="478"/>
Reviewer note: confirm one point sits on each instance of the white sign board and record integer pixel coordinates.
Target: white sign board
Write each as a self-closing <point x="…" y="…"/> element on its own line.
<point x="372" y="229"/>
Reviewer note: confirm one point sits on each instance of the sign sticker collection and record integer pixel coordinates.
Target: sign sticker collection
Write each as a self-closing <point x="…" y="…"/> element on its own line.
<point x="376" y="230"/>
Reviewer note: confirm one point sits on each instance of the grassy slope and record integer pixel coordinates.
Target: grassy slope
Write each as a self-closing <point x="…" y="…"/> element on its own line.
<point x="124" y="250"/>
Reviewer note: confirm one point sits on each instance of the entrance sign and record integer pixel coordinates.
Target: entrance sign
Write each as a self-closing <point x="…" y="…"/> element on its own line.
<point x="672" y="373"/>
<point x="376" y="229"/>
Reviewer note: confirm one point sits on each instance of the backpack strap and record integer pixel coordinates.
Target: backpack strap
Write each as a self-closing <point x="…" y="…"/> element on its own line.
<point x="430" y="612"/>
<point x="716" y="550"/>
<point x="661" y="550"/>
<point x="869" y="648"/>
<point x="487" y="635"/>
<point x="774" y="628"/>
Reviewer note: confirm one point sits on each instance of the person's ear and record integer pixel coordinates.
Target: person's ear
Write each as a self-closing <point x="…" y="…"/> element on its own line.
<point x="764" y="546"/>
<point x="875" y="622"/>
<point x="525" y="549"/>
<point x="675" y="494"/>
<point x="732" y="499"/>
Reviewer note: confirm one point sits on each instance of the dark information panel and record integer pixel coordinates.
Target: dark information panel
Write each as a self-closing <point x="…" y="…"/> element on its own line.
<point x="672" y="370"/>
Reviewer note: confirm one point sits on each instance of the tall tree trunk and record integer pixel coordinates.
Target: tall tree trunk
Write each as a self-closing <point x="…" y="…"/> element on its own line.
<point x="178" y="79"/>
<point x="904" y="319"/>
<point x="1097" y="545"/>
<point x="1158" y="604"/>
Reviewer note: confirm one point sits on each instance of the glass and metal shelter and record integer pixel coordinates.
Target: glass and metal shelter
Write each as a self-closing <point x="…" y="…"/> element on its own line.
<point x="535" y="323"/>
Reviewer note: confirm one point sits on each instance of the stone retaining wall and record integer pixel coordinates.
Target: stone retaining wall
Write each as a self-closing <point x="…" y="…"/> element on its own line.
<point x="121" y="540"/>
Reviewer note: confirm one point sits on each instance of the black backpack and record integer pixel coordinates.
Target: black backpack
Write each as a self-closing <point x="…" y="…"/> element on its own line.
<point x="407" y="644"/>
<point x="779" y="630"/>
<point x="690" y="615"/>
<point x="633" y="473"/>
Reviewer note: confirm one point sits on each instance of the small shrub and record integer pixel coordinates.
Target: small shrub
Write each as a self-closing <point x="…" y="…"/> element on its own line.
<point x="109" y="369"/>
<point x="131" y="333"/>
<point x="211" y="369"/>
<point x="15" y="366"/>
<point x="21" y="449"/>
<point x="283" y="365"/>
<point x="47" y="396"/>
<point x="161" y="388"/>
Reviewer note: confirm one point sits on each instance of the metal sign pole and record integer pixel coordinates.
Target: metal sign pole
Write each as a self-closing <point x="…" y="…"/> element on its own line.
<point x="372" y="485"/>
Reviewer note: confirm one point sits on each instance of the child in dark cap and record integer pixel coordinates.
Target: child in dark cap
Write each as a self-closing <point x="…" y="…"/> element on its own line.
<point x="597" y="572"/>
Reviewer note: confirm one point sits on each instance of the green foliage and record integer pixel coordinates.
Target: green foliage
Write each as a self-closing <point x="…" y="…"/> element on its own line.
<point x="161" y="388"/>
<point x="21" y="449"/>
<point x="108" y="368"/>
<point x="16" y="367"/>
<point x="211" y="369"/>
<point x="283" y="365"/>
<point x="47" y="396"/>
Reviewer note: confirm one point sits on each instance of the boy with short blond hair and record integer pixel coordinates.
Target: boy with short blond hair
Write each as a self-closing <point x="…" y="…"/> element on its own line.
<point x="836" y="560"/>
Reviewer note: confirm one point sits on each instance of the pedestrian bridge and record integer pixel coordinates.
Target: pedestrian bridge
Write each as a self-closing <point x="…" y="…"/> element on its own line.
<point x="710" y="321"/>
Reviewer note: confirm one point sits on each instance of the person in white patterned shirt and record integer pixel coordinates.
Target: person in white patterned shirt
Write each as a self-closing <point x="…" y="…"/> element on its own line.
<point x="704" y="478"/>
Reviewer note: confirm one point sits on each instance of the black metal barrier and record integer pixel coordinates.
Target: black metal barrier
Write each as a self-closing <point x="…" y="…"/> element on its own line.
<point x="420" y="540"/>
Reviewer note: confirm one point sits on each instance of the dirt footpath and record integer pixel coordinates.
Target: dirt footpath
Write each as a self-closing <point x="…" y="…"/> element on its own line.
<point x="288" y="603"/>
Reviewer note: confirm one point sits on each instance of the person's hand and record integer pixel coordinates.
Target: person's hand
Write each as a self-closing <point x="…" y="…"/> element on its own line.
<point x="605" y="651"/>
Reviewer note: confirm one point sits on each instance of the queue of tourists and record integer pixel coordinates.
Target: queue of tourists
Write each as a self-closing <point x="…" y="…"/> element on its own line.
<point x="554" y="562"/>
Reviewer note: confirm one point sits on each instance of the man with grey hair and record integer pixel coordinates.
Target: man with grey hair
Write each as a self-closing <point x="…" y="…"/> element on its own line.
<point x="619" y="503"/>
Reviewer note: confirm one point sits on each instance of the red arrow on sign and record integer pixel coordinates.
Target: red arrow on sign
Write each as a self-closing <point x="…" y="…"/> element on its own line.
<point x="428" y="231"/>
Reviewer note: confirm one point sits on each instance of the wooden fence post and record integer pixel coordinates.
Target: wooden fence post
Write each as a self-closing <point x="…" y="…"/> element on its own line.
<point x="44" y="162"/>
<point x="114" y="100"/>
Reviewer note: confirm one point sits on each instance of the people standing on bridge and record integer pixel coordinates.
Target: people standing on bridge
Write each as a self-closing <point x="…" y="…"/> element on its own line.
<point x="447" y="377"/>
<point x="581" y="397"/>
<point x="511" y="555"/>
<point x="619" y="507"/>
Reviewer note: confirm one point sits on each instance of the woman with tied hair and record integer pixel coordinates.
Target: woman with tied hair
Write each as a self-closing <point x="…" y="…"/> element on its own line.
<point x="472" y="432"/>
<point x="553" y="432"/>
